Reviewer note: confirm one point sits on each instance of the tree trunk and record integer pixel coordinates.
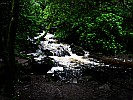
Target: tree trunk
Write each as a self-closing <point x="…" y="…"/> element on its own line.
<point x="10" y="66"/>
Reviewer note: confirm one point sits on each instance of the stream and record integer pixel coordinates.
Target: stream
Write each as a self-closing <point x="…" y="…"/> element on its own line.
<point x="68" y="66"/>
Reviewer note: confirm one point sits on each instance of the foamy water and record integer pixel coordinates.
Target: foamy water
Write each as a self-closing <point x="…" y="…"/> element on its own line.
<point x="63" y="61"/>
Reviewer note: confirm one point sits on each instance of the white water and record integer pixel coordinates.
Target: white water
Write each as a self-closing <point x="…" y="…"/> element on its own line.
<point x="64" y="62"/>
<point x="69" y="61"/>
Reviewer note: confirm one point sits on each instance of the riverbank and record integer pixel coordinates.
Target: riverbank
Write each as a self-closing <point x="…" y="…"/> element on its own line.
<point x="41" y="88"/>
<point x="75" y="74"/>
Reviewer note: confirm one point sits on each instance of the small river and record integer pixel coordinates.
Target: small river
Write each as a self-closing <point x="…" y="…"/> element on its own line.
<point x="68" y="65"/>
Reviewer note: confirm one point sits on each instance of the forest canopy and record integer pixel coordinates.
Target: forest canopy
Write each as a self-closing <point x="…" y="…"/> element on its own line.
<point x="95" y="25"/>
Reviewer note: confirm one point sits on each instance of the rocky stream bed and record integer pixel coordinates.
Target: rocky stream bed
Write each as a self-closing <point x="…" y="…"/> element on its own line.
<point x="60" y="71"/>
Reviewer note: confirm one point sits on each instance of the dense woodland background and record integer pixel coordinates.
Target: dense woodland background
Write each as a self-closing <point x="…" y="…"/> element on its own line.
<point x="99" y="26"/>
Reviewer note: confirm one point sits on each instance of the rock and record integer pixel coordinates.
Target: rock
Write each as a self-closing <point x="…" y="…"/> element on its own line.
<point x="22" y="61"/>
<point x="78" y="50"/>
<point x="60" y="52"/>
<point x="67" y="53"/>
<point x="42" y="66"/>
<point x="47" y="52"/>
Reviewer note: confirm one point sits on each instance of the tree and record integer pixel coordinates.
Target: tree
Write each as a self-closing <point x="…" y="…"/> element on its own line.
<point x="81" y="22"/>
<point x="9" y="28"/>
<point x="31" y="21"/>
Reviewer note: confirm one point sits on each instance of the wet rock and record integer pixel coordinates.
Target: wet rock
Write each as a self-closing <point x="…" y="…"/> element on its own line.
<point x="67" y="53"/>
<point x="41" y="67"/>
<point x="47" y="52"/>
<point x="78" y="50"/>
<point x="61" y="52"/>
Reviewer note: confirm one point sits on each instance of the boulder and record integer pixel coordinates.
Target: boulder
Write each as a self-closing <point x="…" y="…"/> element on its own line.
<point x="66" y="53"/>
<point x="61" y="52"/>
<point x="41" y="67"/>
<point x="47" y="52"/>
<point x="78" y="50"/>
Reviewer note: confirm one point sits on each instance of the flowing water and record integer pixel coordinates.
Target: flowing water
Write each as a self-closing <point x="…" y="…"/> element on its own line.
<point x="68" y="66"/>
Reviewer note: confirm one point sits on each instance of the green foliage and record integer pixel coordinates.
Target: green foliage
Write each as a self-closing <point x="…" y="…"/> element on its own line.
<point x="105" y="34"/>
<point x="30" y="20"/>
<point x="96" y="26"/>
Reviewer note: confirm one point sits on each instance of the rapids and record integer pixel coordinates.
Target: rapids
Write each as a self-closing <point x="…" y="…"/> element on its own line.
<point x="68" y="66"/>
